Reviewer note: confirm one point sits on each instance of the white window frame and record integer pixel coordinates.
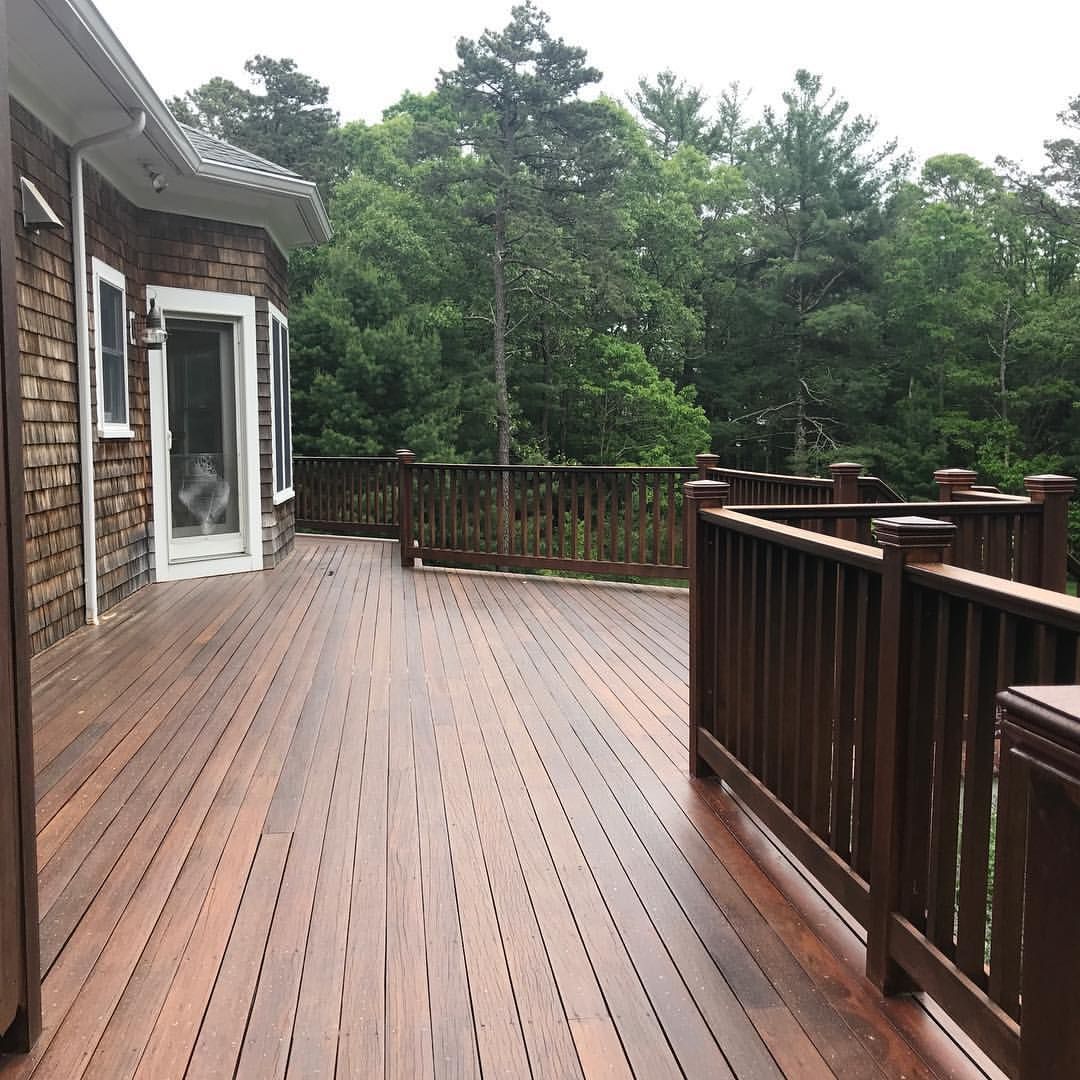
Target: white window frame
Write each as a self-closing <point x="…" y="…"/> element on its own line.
<point x="289" y="492"/>
<point x="102" y="271"/>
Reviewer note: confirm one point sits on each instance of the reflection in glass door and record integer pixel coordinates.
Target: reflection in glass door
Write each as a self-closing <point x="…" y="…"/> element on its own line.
<point x="204" y="465"/>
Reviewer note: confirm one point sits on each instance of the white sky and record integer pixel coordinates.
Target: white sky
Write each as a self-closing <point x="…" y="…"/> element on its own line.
<point x="983" y="77"/>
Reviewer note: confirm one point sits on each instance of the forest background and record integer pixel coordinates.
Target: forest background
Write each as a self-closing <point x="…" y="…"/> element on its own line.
<point x="524" y="271"/>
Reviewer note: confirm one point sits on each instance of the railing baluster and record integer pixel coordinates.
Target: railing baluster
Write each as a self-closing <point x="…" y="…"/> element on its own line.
<point x="824" y="687"/>
<point x="980" y="655"/>
<point x="671" y="530"/>
<point x="862" y="814"/>
<point x="786" y="666"/>
<point x="1008" y="902"/>
<point x="918" y="758"/>
<point x="805" y="634"/>
<point x="948" y="749"/>
<point x="848" y="662"/>
<point x="642" y="483"/>
<point x="613" y="518"/>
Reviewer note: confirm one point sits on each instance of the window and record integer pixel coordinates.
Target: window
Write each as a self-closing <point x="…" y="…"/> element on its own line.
<point x="281" y="405"/>
<point x="110" y="320"/>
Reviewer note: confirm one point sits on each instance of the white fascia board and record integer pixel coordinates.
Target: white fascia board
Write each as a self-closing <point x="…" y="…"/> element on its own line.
<point x="305" y="192"/>
<point x="94" y="41"/>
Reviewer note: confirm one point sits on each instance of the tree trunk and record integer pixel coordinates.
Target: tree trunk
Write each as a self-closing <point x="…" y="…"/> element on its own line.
<point x="549" y="374"/>
<point x="502" y="394"/>
<point x="1003" y="374"/>
<point x="800" y="450"/>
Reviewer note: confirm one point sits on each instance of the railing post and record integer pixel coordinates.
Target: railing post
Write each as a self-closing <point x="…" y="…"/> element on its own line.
<point x="704" y="463"/>
<point x="953" y="480"/>
<point x="697" y="549"/>
<point x="405" y="492"/>
<point x="1054" y="493"/>
<point x="1041" y="726"/>
<point x="904" y="540"/>
<point x="845" y="479"/>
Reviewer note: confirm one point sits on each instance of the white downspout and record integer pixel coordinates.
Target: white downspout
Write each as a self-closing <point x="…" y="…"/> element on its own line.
<point x="82" y="343"/>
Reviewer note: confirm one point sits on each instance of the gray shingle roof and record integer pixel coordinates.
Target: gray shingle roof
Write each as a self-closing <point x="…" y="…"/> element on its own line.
<point x="217" y="150"/>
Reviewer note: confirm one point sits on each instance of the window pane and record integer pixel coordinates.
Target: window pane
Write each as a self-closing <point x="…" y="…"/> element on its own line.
<point x="275" y="364"/>
<point x="113" y="396"/>
<point x="286" y="410"/>
<point x="110" y="319"/>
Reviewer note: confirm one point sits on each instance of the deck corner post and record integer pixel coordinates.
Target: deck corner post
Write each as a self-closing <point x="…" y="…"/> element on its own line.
<point x="698" y="548"/>
<point x="845" y="480"/>
<point x="951" y="481"/>
<point x="405" y="488"/>
<point x="1040" y="726"/>
<point x="1054" y="492"/>
<point x="704" y="463"/>
<point x="905" y="540"/>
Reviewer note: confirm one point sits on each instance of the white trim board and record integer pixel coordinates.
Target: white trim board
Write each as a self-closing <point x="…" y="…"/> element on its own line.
<point x="241" y="310"/>
<point x="288" y="492"/>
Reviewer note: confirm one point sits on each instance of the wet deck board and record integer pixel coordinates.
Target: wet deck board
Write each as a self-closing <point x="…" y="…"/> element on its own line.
<point x="344" y="819"/>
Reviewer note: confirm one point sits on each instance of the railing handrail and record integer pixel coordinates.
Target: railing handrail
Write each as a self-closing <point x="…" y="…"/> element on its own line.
<point x="976" y="495"/>
<point x="845" y="552"/>
<point x="651" y="470"/>
<point x="343" y="457"/>
<point x="1012" y="597"/>
<point x="775" y="478"/>
<point x="878" y="484"/>
<point x="779" y="512"/>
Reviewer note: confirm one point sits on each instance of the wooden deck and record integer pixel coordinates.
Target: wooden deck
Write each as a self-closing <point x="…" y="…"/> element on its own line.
<point x="340" y="818"/>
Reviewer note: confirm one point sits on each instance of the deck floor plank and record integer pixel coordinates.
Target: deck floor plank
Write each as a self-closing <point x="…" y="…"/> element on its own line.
<point x="341" y="819"/>
<point x="183" y="837"/>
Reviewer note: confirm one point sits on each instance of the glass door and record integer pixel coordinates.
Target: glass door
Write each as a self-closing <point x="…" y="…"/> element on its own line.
<point x="204" y="455"/>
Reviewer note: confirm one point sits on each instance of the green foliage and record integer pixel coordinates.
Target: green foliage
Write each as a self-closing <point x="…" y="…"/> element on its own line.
<point x="285" y="120"/>
<point x="522" y="270"/>
<point x="628" y="412"/>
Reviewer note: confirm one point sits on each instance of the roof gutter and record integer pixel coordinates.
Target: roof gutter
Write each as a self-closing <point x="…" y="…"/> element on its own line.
<point x="130" y="130"/>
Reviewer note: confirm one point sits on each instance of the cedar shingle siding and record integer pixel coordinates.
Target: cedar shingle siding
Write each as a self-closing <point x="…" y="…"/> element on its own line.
<point x="147" y="247"/>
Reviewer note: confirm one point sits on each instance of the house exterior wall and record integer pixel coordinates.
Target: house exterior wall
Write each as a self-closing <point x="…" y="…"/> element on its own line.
<point x="149" y="248"/>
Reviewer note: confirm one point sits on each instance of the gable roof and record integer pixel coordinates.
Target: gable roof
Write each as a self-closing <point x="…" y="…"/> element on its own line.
<point x="70" y="70"/>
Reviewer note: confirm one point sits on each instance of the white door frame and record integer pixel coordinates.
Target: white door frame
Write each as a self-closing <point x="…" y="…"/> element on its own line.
<point x="229" y="307"/>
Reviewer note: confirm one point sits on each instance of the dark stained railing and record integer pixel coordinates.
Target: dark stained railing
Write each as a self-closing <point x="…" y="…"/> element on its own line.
<point x="847" y="694"/>
<point x="623" y="521"/>
<point x="1041" y="746"/>
<point x="844" y="484"/>
<point x="1021" y="538"/>
<point x="627" y="521"/>
<point x="354" y="496"/>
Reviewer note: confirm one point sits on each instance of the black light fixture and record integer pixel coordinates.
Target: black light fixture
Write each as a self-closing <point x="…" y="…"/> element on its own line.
<point x="36" y="212"/>
<point x="152" y="335"/>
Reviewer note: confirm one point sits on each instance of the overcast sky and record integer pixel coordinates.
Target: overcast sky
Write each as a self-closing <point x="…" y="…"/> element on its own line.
<point x="974" y="76"/>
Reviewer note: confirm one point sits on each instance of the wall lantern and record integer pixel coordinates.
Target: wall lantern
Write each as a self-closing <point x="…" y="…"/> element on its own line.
<point x="152" y="335"/>
<point x="36" y="212"/>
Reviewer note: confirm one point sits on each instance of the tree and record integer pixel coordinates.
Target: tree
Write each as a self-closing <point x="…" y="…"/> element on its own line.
<point x="816" y="182"/>
<point x="286" y="119"/>
<point x="538" y="152"/>
<point x="380" y="352"/>
<point x="674" y="113"/>
<point x="635" y="415"/>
